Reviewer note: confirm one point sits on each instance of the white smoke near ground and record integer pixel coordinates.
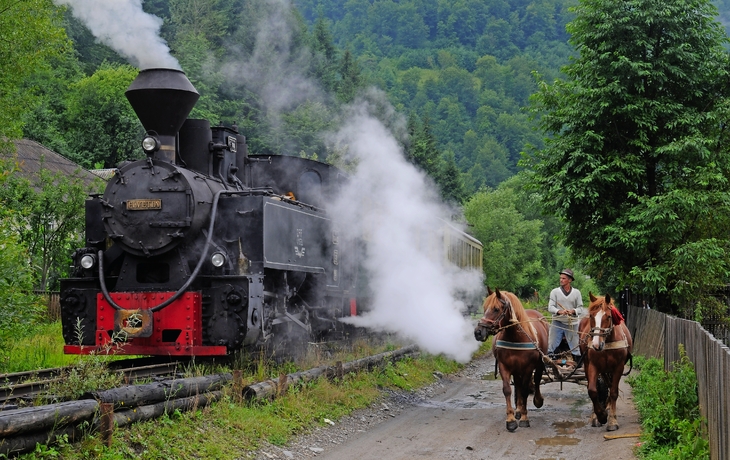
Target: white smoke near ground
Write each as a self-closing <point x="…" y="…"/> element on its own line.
<point x="127" y="29"/>
<point x="414" y="290"/>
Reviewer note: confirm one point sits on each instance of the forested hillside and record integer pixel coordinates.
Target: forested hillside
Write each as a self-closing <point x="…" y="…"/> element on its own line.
<point x="465" y="78"/>
<point x="461" y="71"/>
<point x="465" y="66"/>
<point x="449" y="80"/>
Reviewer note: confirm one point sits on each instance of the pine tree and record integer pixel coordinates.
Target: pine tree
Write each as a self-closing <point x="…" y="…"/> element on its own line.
<point x="324" y="62"/>
<point x="350" y="78"/>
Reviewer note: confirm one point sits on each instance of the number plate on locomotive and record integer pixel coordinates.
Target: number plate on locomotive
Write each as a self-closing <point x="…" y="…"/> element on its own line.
<point x="144" y="204"/>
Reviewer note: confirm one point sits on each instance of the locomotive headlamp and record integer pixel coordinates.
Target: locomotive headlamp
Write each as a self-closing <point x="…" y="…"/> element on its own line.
<point x="150" y="144"/>
<point x="217" y="259"/>
<point x="88" y="261"/>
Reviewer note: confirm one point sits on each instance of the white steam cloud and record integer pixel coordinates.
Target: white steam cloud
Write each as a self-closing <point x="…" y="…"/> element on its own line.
<point x="127" y="29"/>
<point x="414" y="291"/>
<point x="274" y="67"/>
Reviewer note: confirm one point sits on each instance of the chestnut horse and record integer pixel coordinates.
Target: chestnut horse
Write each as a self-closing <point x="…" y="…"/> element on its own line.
<point x="520" y="342"/>
<point x="606" y="347"/>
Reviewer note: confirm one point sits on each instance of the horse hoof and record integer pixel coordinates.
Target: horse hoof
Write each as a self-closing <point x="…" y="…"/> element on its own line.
<point x="524" y="423"/>
<point x="518" y="415"/>
<point x="611" y="427"/>
<point x="595" y="423"/>
<point x="538" y="402"/>
<point x="511" y="426"/>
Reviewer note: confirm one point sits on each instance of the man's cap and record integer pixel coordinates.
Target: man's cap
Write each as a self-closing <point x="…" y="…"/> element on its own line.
<point x="568" y="272"/>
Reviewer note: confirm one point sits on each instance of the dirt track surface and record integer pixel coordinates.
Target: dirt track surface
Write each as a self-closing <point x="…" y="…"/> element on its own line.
<point x="462" y="416"/>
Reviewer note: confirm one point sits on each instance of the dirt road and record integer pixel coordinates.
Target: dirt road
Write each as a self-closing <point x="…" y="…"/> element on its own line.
<point x="463" y="417"/>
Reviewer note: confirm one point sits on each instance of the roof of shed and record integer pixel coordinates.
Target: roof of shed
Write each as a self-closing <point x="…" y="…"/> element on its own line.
<point x="32" y="157"/>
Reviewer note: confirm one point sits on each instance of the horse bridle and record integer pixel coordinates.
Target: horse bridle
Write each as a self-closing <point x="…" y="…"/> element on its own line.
<point x="505" y="304"/>
<point x="602" y="331"/>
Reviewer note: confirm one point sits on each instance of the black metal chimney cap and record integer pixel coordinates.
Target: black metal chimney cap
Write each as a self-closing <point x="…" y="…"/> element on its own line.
<point x="162" y="99"/>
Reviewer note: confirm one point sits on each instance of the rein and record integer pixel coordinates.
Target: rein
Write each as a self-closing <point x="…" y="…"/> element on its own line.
<point x="513" y="322"/>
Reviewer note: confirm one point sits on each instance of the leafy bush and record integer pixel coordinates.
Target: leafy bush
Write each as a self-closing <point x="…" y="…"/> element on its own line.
<point x="19" y="309"/>
<point x="668" y="407"/>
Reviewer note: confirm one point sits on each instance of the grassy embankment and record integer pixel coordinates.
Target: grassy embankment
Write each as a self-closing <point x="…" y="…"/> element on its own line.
<point x="231" y="428"/>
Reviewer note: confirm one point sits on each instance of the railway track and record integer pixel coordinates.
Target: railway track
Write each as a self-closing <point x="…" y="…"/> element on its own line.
<point x="29" y="386"/>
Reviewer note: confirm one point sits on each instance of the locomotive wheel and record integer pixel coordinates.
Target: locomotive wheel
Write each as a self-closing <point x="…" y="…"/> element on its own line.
<point x="227" y="329"/>
<point x="289" y="342"/>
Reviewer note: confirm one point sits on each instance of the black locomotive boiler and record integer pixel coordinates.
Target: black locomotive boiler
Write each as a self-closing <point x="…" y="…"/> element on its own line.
<point x="201" y="249"/>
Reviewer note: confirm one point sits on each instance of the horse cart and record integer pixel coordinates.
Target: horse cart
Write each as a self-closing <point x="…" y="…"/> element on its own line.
<point x="520" y="338"/>
<point x="563" y="367"/>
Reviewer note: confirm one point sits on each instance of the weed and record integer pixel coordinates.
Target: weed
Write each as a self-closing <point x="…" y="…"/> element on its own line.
<point x="41" y="349"/>
<point x="88" y="374"/>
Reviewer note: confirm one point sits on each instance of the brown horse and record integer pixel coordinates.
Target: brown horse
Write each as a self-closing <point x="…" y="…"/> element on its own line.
<point x="606" y="347"/>
<point x="520" y="342"/>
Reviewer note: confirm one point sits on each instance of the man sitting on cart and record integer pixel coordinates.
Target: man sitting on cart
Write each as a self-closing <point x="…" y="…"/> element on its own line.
<point x="566" y="307"/>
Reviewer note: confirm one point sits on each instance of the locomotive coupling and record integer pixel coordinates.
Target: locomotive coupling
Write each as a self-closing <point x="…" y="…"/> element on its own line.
<point x="133" y="323"/>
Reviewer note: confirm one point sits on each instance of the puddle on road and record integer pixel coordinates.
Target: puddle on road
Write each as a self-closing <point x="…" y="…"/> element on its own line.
<point x="559" y="440"/>
<point x="563" y="429"/>
<point x="568" y="427"/>
<point x="479" y="400"/>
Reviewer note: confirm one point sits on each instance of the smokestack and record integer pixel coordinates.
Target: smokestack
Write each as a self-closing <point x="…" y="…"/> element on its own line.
<point x="162" y="100"/>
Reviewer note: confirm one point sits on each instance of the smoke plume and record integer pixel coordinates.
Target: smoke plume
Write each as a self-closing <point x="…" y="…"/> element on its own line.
<point x="414" y="291"/>
<point x="127" y="29"/>
<point x="274" y="69"/>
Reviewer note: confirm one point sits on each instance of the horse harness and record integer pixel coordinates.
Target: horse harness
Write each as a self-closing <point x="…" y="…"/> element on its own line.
<point x="605" y="332"/>
<point x="507" y="345"/>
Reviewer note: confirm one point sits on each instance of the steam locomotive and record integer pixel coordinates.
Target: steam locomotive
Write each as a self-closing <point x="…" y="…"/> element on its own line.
<point x="202" y="249"/>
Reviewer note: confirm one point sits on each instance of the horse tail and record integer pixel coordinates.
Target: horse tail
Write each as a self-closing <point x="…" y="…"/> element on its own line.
<point x="630" y="360"/>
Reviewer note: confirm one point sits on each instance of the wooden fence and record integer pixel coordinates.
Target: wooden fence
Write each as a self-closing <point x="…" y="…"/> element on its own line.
<point x="658" y="335"/>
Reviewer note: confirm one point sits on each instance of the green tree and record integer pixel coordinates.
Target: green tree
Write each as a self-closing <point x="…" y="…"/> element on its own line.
<point x="102" y="127"/>
<point x="423" y="151"/>
<point x="350" y="78"/>
<point x="324" y="62"/>
<point x="304" y="129"/>
<point x="19" y="308"/>
<point x="206" y="18"/>
<point x="29" y="36"/>
<point x="46" y="122"/>
<point x="512" y="244"/>
<point x="449" y="180"/>
<point x="47" y="214"/>
<point x="636" y="163"/>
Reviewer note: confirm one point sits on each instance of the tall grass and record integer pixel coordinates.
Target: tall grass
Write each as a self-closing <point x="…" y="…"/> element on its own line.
<point x="41" y="349"/>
